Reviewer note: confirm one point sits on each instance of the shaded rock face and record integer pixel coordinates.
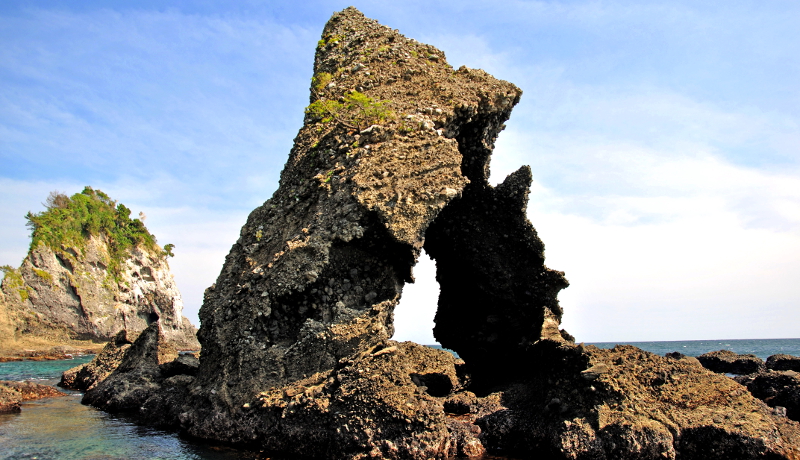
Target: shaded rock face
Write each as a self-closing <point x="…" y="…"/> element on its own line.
<point x="497" y="298"/>
<point x="777" y="389"/>
<point x="726" y="361"/>
<point x="136" y="376"/>
<point x="319" y="268"/>
<point x="783" y="362"/>
<point x="296" y="355"/>
<point x="71" y="291"/>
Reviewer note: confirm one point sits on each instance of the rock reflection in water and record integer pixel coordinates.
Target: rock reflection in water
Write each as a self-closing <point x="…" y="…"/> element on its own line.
<point x="62" y="428"/>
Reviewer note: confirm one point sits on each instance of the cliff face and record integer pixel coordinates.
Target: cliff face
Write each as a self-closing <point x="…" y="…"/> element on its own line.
<point x="84" y="291"/>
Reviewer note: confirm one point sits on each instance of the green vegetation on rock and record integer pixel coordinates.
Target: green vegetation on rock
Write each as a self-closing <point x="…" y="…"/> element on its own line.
<point x="43" y="275"/>
<point x="356" y="110"/>
<point x="13" y="281"/>
<point x="69" y="221"/>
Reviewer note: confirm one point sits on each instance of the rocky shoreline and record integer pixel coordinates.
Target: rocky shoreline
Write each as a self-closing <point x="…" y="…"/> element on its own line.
<point x="13" y="393"/>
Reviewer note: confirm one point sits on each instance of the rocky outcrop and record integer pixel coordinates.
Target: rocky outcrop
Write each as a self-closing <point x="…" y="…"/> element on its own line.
<point x="319" y="268"/>
<point x="297" y="358"/>
<point x="136" y="376"/>
<point x="779" y="389"/>
<point x="87" y="376"/>
<point x="12" y="393"/>
<point x="728" y="362"/>
<point x="626" y="403"/>
<point x="783" y="362"/>
<point x="70" y="292"/>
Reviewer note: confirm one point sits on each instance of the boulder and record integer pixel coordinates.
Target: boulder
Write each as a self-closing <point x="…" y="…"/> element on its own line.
<point x="783" y="362"/>
<point x="777" y="389"/>
<point x="728" y="362"/>
<point x="138" y="374"/>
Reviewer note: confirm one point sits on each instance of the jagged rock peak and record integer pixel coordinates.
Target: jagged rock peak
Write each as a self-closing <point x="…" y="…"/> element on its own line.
<point x="92" y="271"/>
<point x="392" y="137"/>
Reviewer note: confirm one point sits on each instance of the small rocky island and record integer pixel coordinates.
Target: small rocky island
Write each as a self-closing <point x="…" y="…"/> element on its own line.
<point x="296" y="357"/>
<point x="91" y="271"/>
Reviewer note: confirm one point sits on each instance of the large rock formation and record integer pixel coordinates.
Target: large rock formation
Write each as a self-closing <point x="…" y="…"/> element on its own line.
<point x="394" y="157"/>
<point x="87" y="287"/>
<point x="393" y="138"/>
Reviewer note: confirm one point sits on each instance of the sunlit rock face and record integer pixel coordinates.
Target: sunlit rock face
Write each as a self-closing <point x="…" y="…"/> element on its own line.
<point x="319" y="268"/>
<point x="70" y="293"/>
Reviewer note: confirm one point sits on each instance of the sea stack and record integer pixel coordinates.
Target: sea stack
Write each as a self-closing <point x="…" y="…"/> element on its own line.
<point x="91" y="272"/>
<point x="393" y="157"/>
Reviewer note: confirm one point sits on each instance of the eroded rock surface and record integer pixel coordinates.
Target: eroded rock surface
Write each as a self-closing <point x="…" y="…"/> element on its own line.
<point x="626" y="403"/>
<point x="779" y="389"/>
<point x="319" y="268"/>
<point x="87" y="376"/>
<point x="136" y="377"/>
<point x="297" y="357"/>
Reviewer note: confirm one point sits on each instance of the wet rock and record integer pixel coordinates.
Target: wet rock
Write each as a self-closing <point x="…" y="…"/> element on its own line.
<point x="783" y="362"/>
<point x="12" y="393"/>
<point x="138" y="375"/>
<point x="726" y="361"/>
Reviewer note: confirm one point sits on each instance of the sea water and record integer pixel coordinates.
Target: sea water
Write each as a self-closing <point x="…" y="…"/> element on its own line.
<point x="63" y="428"/>
<point x="763" y="348"/>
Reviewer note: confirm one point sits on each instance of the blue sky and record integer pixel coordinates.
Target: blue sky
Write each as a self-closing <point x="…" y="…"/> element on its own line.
<point x="664" y="138"/>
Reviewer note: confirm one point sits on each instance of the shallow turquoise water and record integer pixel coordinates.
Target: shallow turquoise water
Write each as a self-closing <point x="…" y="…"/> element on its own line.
<point x="64" y="429"/>
<point x="40" y="370"/>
